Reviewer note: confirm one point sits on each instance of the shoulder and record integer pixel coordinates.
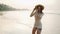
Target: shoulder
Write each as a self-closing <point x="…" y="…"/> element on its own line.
<point x="42" y="14"/>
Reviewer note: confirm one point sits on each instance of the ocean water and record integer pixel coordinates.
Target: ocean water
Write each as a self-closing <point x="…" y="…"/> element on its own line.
<point x="20" y="22"/>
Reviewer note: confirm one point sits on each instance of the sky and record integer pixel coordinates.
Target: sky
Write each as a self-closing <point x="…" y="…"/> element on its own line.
<point x="49" y="4"/>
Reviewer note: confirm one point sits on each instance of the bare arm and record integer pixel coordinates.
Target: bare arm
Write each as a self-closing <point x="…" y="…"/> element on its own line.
<point x="32" y="13"/>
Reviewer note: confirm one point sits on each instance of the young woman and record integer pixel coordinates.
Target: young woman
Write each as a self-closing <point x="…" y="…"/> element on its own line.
<point x="37" y="13"/>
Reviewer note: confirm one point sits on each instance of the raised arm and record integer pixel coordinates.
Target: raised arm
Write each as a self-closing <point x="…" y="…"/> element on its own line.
<point x="32" y="13"/>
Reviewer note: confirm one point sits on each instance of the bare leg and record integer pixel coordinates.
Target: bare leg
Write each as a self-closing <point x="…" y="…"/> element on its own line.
<point x="34" y="30"/>
<point x="38" y="31"/>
